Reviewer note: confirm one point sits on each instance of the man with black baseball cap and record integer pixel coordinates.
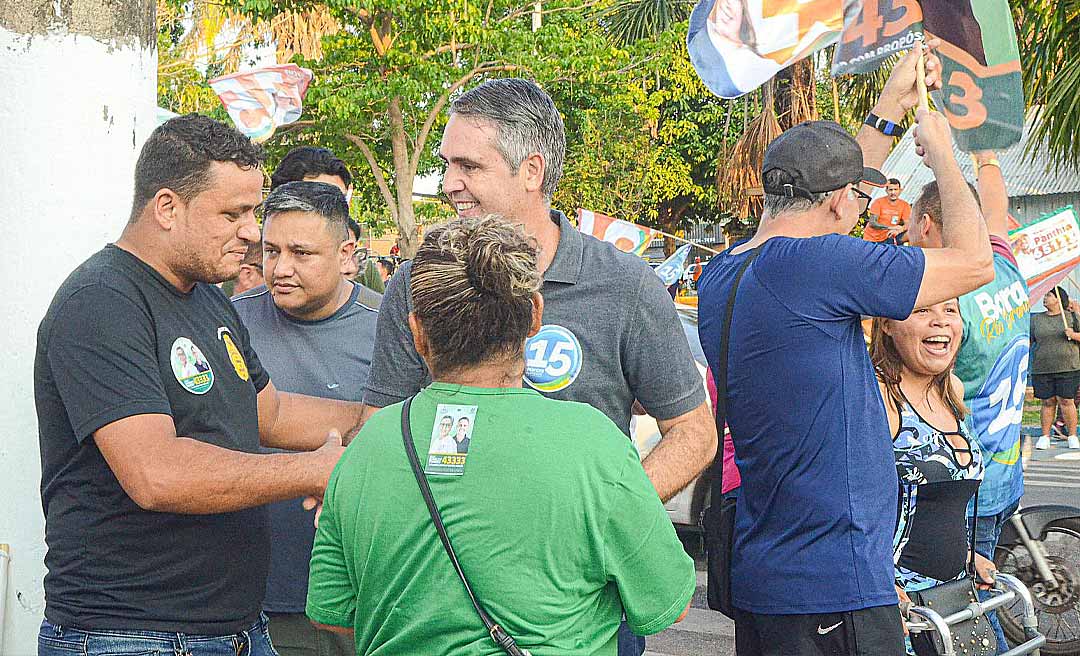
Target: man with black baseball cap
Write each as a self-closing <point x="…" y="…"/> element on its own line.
<point x="812" y="158"/>
<point x="812" y="569"/>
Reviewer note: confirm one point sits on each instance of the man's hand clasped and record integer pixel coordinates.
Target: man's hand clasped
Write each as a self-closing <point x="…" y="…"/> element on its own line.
<point x="324" y="458"/>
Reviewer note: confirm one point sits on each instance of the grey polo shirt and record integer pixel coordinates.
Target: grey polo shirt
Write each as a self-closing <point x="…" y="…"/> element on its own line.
<point x="328" y="358"/>
<point x="610" y="335"/>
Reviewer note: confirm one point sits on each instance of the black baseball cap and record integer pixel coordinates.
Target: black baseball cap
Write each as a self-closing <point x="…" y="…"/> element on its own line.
<point x="816" y="157"/>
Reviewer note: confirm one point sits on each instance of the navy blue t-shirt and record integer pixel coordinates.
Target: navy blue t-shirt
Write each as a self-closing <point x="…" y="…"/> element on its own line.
<point x="817" y="508"/>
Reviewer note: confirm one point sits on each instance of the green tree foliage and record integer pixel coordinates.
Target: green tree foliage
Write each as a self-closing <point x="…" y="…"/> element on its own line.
<point x="384" y="82"/>
<point x="1049" y="39"/>
<point x="643" y="142"/>
<point x="181" y="78"/>
<point x="643" y="133"/>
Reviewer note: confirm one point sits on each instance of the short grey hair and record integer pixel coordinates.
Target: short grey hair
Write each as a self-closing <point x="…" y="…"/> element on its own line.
<point x="319" y="198"/>
<point x="777" y="205"/>
<point x="527" y="122"/>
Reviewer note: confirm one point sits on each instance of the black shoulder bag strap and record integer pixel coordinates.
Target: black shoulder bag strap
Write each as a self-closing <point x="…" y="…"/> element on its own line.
<point x="974" y="573"/>
<point x="503" y="639"/>
<point x="721" y="381"/>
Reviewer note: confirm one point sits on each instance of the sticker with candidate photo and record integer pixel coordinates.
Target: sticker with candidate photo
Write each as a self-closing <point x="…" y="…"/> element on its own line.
<point x="190" y="366"/>
<point x="450" y="438"/>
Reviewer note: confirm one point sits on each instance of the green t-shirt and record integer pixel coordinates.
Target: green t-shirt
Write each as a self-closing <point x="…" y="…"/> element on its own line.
<point x="552" y="518"/>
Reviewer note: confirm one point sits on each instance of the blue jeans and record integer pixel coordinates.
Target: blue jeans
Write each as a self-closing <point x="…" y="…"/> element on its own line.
<point x="987" y="532"/>
<point x="68" y="641"/>
<point x="630" y="644"/>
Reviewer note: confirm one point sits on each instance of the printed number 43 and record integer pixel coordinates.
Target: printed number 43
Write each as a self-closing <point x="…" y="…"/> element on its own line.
<point x="557" y="363"/>
<point x="1009" y="396"/>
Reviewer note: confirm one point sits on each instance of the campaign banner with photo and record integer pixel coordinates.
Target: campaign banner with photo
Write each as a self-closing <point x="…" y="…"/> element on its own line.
<point x="882" y="28"/>
<point x="673" y="268"/>
<point x="625" y="236"/>
<point x="982" y="92"/>
<point x="263" y="99"/>
<point x="738" y="45"/>
<point x="1047" y="249"/>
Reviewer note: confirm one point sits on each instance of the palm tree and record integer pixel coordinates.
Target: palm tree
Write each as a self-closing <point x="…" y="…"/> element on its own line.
<point x="1049" y="39"/>
<point x="632" y="20"/>
<point x="1049" y="36"/>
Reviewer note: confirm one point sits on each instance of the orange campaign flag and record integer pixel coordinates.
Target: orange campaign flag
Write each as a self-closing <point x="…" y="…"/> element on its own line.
<point x="982" y="93"/>
<point x="625" y="236"/>
<point x="738" y="45"/>
<point x="263" y="99"/>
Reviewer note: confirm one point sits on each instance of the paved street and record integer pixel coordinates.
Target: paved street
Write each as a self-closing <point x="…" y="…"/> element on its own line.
<point x="1053" y="476"/>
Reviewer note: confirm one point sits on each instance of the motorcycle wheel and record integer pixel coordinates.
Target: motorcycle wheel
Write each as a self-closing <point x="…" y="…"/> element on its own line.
<point x="1057" y="610"/>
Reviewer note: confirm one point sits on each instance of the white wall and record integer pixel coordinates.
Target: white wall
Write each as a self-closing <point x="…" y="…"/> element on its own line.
<point x="76" y="107"/>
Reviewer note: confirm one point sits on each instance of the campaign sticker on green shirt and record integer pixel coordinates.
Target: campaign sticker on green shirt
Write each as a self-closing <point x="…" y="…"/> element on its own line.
<point x="450" y="438"/>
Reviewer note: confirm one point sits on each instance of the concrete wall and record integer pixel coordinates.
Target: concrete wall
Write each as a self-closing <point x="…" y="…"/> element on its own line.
<point x="79" y="98"/>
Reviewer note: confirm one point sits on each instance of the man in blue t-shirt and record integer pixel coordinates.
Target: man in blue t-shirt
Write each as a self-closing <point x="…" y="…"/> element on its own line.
<point x="812" y="569"/>
<point x="993" y="358"/>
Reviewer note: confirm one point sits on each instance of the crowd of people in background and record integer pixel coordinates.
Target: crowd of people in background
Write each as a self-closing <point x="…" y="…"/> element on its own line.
<point x="187" y="431"/>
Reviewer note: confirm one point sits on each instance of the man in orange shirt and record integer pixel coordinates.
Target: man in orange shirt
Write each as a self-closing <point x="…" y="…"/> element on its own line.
<point x="888" y="217"/>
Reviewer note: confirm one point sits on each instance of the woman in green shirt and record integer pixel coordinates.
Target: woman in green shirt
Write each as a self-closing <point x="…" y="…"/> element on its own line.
<point x="550" y="513"/>
<point x="1055" y="364"/>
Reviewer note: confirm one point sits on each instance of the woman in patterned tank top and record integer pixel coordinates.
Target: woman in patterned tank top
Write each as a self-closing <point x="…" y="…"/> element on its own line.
<point x="938" y="461"/>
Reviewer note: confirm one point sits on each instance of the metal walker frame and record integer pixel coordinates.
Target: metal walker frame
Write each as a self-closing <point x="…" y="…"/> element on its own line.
<point x="1013" y="588"/>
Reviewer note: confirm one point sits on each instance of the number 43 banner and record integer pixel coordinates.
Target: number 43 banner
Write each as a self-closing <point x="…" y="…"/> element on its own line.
<point x="982" y="91"/>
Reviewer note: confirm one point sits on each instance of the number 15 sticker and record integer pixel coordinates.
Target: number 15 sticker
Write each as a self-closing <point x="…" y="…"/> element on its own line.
<point x="552" y="359"/>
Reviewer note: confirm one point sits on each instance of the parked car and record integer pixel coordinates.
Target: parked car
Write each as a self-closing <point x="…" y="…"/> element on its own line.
<point x="684" y="508"/>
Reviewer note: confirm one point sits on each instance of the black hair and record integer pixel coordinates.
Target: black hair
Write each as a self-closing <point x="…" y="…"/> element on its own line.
<point x="178" y="154"/>
<point x="388" y="265"/>
<point x="1062" y="294"/>
<point x="354" y="229"/>
<point x="309" y="162"/>
<point x="894" y="181"/>
<point x="320" y="198"/>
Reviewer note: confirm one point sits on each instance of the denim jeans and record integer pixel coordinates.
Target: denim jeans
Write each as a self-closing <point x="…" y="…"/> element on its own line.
<point x="69" y="641"/>
<point x="987" y="532"/>
<point x="630" y="644"/>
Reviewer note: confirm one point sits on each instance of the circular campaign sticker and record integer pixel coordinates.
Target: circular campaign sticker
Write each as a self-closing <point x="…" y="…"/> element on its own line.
<point x="552" y="359"/>
<point x="190" y="366"/>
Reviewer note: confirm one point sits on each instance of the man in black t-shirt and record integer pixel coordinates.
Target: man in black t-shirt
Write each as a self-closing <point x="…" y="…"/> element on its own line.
<point x="152" y="481"/>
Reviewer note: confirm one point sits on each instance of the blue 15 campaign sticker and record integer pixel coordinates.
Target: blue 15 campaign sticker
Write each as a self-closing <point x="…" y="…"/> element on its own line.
<point x="552" y="359"/>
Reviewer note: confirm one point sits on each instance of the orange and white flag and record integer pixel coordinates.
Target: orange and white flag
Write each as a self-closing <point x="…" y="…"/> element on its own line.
<point x="261" y="100"/>
<point x="625" y="236"/>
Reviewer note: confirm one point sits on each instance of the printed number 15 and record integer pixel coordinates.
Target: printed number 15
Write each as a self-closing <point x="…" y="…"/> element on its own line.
<point x="556" y="364"/>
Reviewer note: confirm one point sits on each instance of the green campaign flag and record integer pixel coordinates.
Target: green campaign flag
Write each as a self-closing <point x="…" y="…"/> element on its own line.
<point x="982" y="92"/>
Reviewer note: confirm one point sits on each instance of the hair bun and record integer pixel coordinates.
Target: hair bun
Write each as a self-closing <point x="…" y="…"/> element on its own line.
<point x="485" y="264"/>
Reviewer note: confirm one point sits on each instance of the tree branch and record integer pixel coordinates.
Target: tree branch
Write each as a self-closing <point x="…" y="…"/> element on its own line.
<point x="447" y="48"/>
<point x="380" y="177"/>
<point x="291" y="127"/>
<point x="425" y="129"/>
<point x="528" y="9"/>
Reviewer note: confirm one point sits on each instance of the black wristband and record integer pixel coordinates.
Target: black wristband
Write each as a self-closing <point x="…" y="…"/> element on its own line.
<point x="888" y="128"/>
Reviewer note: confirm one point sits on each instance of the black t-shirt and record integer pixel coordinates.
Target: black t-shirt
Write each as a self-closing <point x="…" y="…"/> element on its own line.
<point x="119" y="340"/>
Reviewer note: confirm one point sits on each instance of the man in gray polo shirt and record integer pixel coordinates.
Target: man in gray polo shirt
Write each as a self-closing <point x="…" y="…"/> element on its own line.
<point x="315" y="331"/>
<point x="610" y="333"/>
